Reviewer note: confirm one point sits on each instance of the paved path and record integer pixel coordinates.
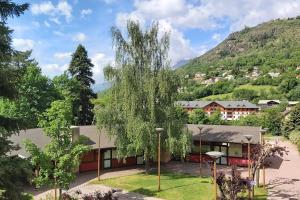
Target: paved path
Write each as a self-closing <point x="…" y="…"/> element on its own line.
<point x="284" y="178"/>
<point x="82" y="180"/>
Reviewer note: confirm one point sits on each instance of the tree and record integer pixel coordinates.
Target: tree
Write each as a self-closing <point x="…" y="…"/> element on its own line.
<point x="249" y="120"/>
<point x="81" y="69"/>
<point x="67" y="89"/>
<point x="260" y="155"/>
<point x="293" y="121"/>
<point x="13" y="169"/>
<point x="272" y="119"/>
<point x="143" y="92"/>
<point x="59" y="160"/>
<point x="231" y="186"/>
<point x="198" y="116"/>
<point x="216" y="118"/>
<point x="36" y="92"/>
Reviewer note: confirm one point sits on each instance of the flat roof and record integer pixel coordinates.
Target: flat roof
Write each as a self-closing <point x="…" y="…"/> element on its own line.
<point x="225" y="133"/>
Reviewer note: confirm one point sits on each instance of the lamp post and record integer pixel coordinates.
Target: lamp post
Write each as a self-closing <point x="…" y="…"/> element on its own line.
<point x="249" y="137"/>
<point x="158" y="130"/>
<point x="200" y="150"/>
<point x="215" y="155"/>
<point x="263" y="142"/>
<point x="99" y="151"/>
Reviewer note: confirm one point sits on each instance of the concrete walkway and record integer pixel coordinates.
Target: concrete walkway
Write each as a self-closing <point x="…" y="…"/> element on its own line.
<point x="82" y="180"/>
<point x="284" y="178"/>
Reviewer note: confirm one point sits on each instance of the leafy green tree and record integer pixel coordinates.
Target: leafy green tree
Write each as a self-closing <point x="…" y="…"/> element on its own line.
<point x="272" y="119"/>
<point x="143" y="92"/>
<point x="13" y="170"/>
<point x="288" y="84"/>
<point x="198" y="116"/>
<point x="293" y="121"/>
<point x="216" y="118"/>
<point x="81" y="69"/>
<point x="60" y="159"/>
<point x="67" y="89"/>
<point x="249" y="120"/>
<point x="36" y="92"/>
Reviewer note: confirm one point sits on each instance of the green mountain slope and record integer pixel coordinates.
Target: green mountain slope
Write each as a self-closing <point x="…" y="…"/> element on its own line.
<point x="274" y="45"/>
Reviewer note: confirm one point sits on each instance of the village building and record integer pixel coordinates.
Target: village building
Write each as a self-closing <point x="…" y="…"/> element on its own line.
<point x="230" y="110"/>
<point x="227" y="139"/>
<point x="263" y="104"/>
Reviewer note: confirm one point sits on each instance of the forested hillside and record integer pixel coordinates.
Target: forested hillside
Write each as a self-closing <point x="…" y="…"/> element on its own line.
<point x="271" y="45"/>
<point x="267" y="54"/>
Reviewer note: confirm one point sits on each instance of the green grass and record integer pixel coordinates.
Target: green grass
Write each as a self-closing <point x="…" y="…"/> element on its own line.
<point x="173" y="186"/>
<point x="228" y="96"/>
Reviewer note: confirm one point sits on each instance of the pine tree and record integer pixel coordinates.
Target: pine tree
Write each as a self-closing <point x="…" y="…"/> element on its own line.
<point x="13" y="168"/>
<point x="81" y="69"/>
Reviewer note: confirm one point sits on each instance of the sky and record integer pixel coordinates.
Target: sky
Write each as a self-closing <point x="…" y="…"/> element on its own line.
<point x="53" y="29"/>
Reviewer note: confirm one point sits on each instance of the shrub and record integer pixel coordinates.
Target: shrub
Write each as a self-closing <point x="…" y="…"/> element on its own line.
<point x="295" y="137"/>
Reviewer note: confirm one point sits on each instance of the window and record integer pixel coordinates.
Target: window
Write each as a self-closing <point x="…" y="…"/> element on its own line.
<point x="235" y="150"/>
<point x="140" y="160"/>
<point x="114" y="153"/>
<point x="107" y="154"/>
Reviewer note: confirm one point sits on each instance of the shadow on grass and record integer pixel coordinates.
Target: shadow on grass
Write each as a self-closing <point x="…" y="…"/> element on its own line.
<point x="145" y="191"/>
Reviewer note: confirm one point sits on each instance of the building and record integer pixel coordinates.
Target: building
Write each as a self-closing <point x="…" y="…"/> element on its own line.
<point x="230" y="110"/>
<point x="227" y="139"/>
<point x="270" y="103"/>
<point x="89" y="161"/>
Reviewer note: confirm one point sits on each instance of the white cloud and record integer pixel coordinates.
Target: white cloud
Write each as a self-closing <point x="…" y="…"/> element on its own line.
<point x="58" y="33"/>
<point x="63" y="8"/>
<point x="79" y="37"/>
<point x="23" y="44"/>
<point x="62" y="55"/>
<point x="43" y="8"/>
<point x="55" y="20"/>
<point x="54" y="69"/>
<point x="46" y="23"/>
<point x="85" y="12"/>
<point x="109" y="1"/>
<point x="100" y="60"/>
<point x="211" y="14"/>
<point x="217" y="37"/>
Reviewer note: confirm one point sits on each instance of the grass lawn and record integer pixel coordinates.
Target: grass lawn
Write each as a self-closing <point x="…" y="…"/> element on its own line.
<point x="173" y="186"/>
<point x="228" y="96"/>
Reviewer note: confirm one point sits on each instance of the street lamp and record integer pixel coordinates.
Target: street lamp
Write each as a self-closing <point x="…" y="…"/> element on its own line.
<point x="200" y="150"/>
<point x="99" y="152"/>
<point x="215" y="155"/>
<point x="263" y="142"/>
<point x="158" y="130"/>
<point x="249" y="137"/>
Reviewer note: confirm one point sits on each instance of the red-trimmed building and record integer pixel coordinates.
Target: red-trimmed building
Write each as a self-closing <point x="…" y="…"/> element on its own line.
<point x="230" y="110"/>
<point x="227" y="139"/>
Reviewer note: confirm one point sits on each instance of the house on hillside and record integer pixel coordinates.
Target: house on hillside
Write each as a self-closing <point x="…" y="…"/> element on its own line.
<point x="274" y="74"/>
<point x="227" y="139"/>
<point x="230" y="110"/>
<point x="270" y="103"/>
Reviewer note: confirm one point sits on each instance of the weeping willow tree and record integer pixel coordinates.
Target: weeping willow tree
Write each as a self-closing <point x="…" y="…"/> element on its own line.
<point x="142" y="95"/>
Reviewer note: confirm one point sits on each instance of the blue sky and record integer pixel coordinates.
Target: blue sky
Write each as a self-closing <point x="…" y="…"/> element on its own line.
<point x="53" y="29"/>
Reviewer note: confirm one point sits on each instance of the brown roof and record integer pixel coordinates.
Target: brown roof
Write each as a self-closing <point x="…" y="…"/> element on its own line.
<point x="38" y="137"/>
<point x="224" y="133"/>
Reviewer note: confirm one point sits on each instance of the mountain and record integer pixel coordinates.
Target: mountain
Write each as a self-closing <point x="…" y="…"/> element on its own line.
<point x="181" y="63"/>
<point x="270" y="46"/>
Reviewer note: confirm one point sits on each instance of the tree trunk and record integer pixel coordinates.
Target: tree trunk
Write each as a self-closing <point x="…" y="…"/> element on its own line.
<point x="147" y="163"/>
<point x="59" y="193"/>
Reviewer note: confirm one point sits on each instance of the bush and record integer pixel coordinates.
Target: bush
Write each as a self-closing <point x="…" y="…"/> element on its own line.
<point x="295" y="137"/>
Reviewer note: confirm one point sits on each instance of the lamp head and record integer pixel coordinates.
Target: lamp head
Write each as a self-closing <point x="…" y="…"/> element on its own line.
<point x="159" y="130"/>
<point x="215" y="154"/>
<point x="200" y="128"/>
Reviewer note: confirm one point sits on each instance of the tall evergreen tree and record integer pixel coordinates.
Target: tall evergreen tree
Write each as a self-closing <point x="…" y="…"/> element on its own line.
<point x="81" y="69"/>
<point x="12" y="168"/>
<point x="144" y="89"/>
